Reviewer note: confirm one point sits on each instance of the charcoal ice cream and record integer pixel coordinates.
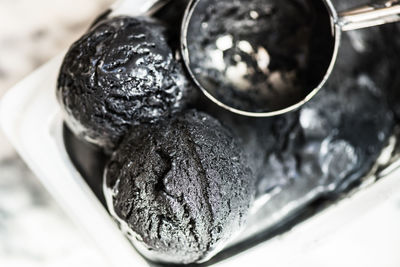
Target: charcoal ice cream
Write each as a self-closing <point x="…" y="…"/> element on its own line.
<point x="180" y="189"/>
<point x="121" y="73"/>
<point x="259" y="137"/>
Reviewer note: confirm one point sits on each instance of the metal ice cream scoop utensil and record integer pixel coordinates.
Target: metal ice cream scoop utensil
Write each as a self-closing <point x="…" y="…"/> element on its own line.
<point x="263" y="58"/>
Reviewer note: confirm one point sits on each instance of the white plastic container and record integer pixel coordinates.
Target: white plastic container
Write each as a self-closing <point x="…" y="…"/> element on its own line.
<point x="30" y="117"/>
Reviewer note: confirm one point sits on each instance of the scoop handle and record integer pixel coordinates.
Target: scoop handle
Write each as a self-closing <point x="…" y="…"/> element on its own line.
<point x="136" y="7"/>
<point x="378" y="13"/>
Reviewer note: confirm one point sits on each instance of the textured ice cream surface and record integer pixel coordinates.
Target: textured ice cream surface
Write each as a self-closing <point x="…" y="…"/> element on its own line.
<point x="180" y="188"/>
<point x="120" y="73"/>
<point x="259" y="137"/>
<point x="340" y="133"/>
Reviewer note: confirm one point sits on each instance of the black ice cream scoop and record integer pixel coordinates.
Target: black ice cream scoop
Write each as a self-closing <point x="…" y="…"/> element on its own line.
<point x="262" y="58"/>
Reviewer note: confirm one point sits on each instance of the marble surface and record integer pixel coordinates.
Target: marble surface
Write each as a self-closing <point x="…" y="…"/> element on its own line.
<point x="34" y="231"/>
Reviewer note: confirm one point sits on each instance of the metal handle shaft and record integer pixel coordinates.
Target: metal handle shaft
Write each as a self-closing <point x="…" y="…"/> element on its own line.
<point x="379" y="13"/>
<point x="137" y="7"/>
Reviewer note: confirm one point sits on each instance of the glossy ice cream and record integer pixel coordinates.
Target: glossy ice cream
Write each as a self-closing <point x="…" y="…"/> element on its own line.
<point x="121" y="73"/>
